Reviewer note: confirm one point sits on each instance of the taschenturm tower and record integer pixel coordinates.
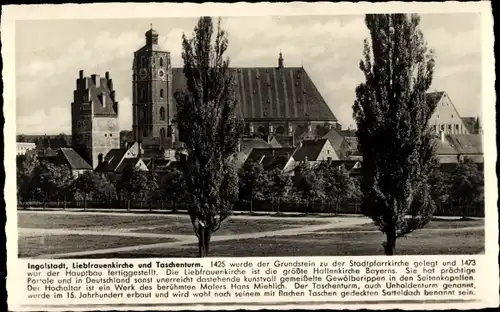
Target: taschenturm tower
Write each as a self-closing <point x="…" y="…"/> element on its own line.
<point x="94" y="117"/>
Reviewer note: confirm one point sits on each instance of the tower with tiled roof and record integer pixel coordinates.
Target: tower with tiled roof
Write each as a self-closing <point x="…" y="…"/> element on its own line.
<point x="152" y="92"/>
<point x="94" y="117"/>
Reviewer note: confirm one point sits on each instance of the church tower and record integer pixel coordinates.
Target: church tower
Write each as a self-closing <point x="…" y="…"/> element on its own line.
<point x="94" y="117"/>
<point x="152" y="93"/>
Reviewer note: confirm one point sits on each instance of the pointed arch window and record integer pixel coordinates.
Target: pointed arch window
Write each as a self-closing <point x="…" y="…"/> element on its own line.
<point x="161" y="61"/>
<point x="161" y="93"/>
<point x="162" y="113"/>
<point x="143" y="94"/>
<point x="144" y="112"/>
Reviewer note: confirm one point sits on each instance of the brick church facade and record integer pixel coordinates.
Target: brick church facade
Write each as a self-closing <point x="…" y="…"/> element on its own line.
<point x="274" y="101"/>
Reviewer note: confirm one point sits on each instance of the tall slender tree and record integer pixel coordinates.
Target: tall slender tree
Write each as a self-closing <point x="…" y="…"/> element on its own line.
<point x="208" y="127"/>
<point x="392" y="117"/>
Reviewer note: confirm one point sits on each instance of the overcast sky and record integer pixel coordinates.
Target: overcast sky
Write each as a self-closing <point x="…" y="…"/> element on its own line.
<point x="49" y="54"/>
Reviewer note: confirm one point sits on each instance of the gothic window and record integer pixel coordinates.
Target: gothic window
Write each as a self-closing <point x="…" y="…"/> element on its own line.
<point x="162" y="132"/>
<point x="161" y="93"/>
<point x="143" y="94"/>
<point x="162" y="113"/>
<point x="280" y="130"/>
<point x="161" y="61"/>
<point x="144" y="111"/>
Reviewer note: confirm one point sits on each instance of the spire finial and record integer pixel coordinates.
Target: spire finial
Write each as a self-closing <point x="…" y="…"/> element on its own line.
<point x="151" y="24"/>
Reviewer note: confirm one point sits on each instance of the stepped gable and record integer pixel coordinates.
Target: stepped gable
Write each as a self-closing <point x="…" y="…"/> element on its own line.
<point x="273" y="93"/>
<point x="102" y="96"/>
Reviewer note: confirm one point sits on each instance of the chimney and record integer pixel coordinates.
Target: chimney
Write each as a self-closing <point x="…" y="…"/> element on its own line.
<point x="81" y="74"/>
<point x="107" y="75"/>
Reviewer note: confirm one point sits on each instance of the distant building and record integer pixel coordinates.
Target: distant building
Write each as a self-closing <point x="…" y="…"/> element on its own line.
<point x="447" y="119"/>
<point x="270" y="158"/>
<point x="94" y="117"/>
<point x="66" y="157"/>
<point x="281" y="102"/>
<point x="117" y="160"/>
<point x="313" y="152"/>
<point x="22" y="147"/>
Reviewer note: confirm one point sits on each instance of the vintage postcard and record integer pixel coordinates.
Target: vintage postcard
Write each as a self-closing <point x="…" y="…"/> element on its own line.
<point x="291" y="155"/>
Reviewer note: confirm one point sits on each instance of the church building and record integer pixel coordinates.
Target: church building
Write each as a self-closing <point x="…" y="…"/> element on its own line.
<point x="273" y="101"/>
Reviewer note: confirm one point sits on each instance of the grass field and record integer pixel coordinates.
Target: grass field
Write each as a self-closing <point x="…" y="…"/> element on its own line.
<point x="436" y="224"/>
<point x="48" y="244"/>
<point x="118" y="235"/>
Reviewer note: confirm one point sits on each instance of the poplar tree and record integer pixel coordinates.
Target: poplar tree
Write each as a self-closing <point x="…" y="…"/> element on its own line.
<point x="209" y="129"/>
<point x="392" y="117"/>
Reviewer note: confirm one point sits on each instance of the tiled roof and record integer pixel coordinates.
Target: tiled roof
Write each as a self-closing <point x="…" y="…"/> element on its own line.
<point x="270" y="157"/>
<point x="469" y="123"/>
<point x="248" y="144"/>
<point x="335" y="138"/>
<point x="127" y="162"/>
<point x="444" y="147"/>
<point x="285" y="140"/>
<point x="273" y="93"/>
<point x="434" y="97"/>
<point x="466" y="143"/>
<point x="310" y="149"/>
<point x="75" y="161"/>
<point x="112" y="160"/>
<point x="347" y="133"/>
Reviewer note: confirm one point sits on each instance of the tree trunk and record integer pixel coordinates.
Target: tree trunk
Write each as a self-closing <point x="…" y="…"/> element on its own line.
<point x="251" y="205"/>
<point x="390" y="243"/>
<point x="174" y="207"/>
<point x="128" y="204"/>
<point x="64" y="202"/>
<point x="278" y="207"/>
<point x="204" y="235"/>
<point x="84" y="202"/>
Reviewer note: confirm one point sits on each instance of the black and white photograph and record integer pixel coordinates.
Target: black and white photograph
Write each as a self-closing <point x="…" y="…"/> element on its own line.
<point x="250" y="136"/>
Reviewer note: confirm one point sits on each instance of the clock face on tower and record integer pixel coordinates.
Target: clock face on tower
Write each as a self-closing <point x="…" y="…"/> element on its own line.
<point x="161" y="74"/>
<point x="143" y="73"/>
